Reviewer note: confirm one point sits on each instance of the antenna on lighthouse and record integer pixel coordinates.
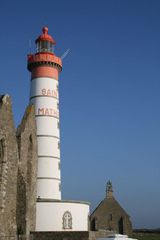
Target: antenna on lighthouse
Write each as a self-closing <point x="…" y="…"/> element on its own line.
<point x="65" y="54"/>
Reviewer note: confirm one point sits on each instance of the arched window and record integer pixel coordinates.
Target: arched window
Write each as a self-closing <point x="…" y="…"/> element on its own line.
<point x="3" y="172"/>
<point x="29" y="160"/>
<point x="120" y="226"/>
<point x="94" y="224"/>
<point x="67" y="220"/>
<point x="1" y="149"/>
<point x="2" y="156"/>
<point x="110" y="217"/>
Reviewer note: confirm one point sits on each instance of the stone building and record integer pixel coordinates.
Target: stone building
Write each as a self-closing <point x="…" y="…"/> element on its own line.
<point x="110" y="216"/>
<point x="27" y="173"/>
<point x="18" y="168"/>
<point x="8" y="169"/>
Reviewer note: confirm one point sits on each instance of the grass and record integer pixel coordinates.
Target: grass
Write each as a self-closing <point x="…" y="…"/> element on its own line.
<point x="147" y="236"/>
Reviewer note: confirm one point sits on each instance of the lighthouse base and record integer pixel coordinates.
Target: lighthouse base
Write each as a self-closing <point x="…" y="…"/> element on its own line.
<point x="64" y="215"/>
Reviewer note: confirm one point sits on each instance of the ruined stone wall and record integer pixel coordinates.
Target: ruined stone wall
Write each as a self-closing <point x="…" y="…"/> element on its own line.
<point x="18" y="171"/>
<point x="27" y="173"/>
<point x="8" y="169"/>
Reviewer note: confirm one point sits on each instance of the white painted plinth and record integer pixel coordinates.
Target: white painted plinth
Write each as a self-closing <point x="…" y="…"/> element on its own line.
<point x="50" y="215"/>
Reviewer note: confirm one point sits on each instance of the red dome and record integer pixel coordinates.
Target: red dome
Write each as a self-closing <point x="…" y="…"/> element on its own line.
<point x="45" y="36"/>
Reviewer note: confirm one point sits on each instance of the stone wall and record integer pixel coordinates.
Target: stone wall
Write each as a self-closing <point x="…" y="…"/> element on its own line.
<point x="18" y="172"/>
<point x="8" y="169"/>
<point x="60" y="235"/>
<point x="27" y="173"/>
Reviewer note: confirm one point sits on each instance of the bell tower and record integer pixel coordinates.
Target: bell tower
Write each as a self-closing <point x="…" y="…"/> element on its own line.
<point x="109" y="190"/>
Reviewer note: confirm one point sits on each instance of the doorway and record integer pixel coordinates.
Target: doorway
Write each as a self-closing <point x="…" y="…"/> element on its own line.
<point x="120" y="226"/>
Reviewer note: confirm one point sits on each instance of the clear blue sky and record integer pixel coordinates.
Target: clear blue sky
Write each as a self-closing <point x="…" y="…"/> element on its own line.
<point x="109" y="94"/>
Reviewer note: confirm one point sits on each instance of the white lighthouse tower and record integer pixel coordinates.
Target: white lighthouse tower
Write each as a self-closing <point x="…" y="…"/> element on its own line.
<point x="45" y="67"/>
<point x="52" y="213"/>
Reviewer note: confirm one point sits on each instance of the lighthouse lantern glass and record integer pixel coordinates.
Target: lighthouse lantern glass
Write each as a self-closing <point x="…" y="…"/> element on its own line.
<point x="44" y="46"/>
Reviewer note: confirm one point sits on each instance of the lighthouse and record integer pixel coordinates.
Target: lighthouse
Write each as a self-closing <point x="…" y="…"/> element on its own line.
<point x="52" y="213"/>
<point x="45" y="66"/>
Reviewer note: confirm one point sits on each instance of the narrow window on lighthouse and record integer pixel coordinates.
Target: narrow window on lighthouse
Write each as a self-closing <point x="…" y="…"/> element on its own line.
<point x="58" y="124"/>
<point x="58" y="145"/>
<point x="59" y="187"/>
<point x="59" y="166"/>
<point x="67" y="220"/>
